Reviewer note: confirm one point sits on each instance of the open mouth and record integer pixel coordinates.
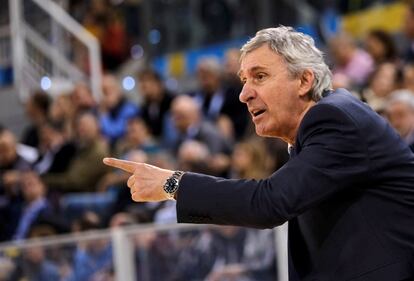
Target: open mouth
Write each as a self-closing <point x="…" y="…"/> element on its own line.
<point x="258" y="112"/>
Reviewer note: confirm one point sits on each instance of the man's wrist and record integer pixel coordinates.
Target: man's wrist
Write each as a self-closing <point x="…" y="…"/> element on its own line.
<point x="171" y="185"/>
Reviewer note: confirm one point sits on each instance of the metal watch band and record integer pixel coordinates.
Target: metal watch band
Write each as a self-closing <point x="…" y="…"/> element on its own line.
<point x="172" y="183"/>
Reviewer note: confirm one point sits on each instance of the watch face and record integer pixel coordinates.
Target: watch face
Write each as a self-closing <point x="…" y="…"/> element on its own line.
<point x="170" y="186"/>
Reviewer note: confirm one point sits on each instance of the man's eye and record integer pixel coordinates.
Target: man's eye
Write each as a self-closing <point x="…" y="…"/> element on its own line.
<point x="260" y="76"/>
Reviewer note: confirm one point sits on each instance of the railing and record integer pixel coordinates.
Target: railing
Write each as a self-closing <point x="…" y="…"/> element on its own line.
<point x="150" y="252"/>
<point x="48" y="43"/>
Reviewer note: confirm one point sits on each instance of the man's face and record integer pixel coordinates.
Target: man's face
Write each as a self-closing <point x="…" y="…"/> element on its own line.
<point x="270" y="92"/>
<point x="401" y="118"/>
<point x="87" y="128"/>
<point x="111" y="92"/>
<point x="8" y="153"/>
<point x="150" y="88"/>
<point x="208" y="79"/>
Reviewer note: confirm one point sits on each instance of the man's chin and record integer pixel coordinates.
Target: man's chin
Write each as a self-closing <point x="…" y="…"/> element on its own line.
<point x="261" y="133"/>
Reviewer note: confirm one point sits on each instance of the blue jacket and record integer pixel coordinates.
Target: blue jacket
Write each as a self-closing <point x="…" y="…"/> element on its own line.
<point x="347" y="192"/>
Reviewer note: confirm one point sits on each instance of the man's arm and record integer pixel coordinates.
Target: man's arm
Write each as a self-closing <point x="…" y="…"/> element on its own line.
<point x="332" y="157"/>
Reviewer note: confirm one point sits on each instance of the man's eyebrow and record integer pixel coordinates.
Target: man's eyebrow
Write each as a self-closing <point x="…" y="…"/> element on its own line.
<point x="256" y="68"/>
<point x="252" y="69"/>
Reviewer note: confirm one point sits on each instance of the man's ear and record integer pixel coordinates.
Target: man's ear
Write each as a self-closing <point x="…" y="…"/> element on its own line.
<point x="306" y="81"/>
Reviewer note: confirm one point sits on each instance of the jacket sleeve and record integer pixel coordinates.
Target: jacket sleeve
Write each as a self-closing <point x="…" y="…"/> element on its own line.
<point x="332" y="156"/>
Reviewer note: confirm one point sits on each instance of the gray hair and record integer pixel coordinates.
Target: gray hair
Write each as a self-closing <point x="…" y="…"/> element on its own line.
<point x="403" y="96"/>
<point x="299" y="52"/>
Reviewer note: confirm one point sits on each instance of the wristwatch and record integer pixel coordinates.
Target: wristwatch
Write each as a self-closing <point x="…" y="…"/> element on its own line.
<point x="171" y="185"/>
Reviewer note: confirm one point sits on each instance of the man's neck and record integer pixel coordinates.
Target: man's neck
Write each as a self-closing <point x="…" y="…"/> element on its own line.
<point x="291" y="136"/>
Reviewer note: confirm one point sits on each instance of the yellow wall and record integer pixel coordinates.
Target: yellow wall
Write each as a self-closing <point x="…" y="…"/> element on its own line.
<point x="388" y="17"/>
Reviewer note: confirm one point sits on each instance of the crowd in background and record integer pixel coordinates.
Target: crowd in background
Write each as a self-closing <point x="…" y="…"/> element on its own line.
<point x="52" y="180"/>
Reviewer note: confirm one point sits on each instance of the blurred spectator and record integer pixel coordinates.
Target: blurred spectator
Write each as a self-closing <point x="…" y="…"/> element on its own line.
<point x="36" y="262"/>
<point x="35" y="204"/>
<point x="92" y="257"/>
<point x="238" y="114"/>
<point x="156" y="101"/>
<point x="408" y="77"/>
<point x="209" y="252"/>
<point x="107" y="25"/>
<point x="82" y="99"/>
<point x="11" y="166"/>
<point x="384" y="80"/>
<point x="218" y="100"/>
<point x="114" y="110"/>
<point x="62" y="111"/>
<point x="121" y="219"/>
<point x="352" y="65"/>
<point x="34" y="266"/>
<point x="56" y="151"/>
<point x="154" y="256"/>
<point x="193" y="156"/>
<point x="380" y="45"/>
<point x="12" y="161"/>
<point x="138" y="136"/>
<point x="86" y="168"/>
<point x="400" y="112"/>
<point x="94" y="17"/>
<point x="231" y="67"/>
<point x="7" y="266"/>
<point x="114" y="41"/>
<point x="255" y="259"/>
<point x="408" y="30"/>
<point x="249" y="161"/>
<point x="188" y="120"/>
<point x="37" y="109"/>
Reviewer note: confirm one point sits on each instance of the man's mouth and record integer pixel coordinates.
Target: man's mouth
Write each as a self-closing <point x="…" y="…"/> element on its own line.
<point x="256" y="113"/>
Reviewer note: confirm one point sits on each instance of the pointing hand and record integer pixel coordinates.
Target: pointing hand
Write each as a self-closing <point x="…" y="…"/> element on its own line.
<point x="146" y="181"/>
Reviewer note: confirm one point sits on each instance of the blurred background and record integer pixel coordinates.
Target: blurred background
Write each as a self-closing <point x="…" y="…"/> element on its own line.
<point x="156" y="81"/>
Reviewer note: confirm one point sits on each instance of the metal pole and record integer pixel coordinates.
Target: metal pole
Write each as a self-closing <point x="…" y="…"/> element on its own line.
<point x="18" y="46"/>
<point x="61" y="17"/>
<point x="123" y="256"/>
<point x="282" y="251"/>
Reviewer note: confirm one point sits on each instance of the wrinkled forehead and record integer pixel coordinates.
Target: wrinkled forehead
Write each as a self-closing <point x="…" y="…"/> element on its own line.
<point x="259" y="59"/>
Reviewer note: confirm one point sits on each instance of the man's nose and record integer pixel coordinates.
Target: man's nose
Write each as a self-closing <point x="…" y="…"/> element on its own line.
<point x="246" y="94"/>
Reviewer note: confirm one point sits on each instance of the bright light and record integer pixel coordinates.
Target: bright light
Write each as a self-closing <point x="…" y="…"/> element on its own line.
<point x="45" y="83"/>
<point x="128" y="83"/>
<point x="154" y="36"/>
<point x="137" y="52"/>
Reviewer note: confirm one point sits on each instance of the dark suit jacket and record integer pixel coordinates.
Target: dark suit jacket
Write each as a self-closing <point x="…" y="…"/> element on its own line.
<point x="347" y="192"/>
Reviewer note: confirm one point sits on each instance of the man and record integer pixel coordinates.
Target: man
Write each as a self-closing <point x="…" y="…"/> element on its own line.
<point x="218" y="98"/>
<point x="80" y="175"/>
<point x="156" y="102"/>
<point x="347" y="191"/>
<point x="400" y="112"/>
<point x="408" y="31"/>
<point x="115" y="110"/>
<point x="190" y="125"/>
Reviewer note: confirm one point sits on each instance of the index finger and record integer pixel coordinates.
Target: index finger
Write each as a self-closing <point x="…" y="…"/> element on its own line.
<point x="127" y="166"/>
